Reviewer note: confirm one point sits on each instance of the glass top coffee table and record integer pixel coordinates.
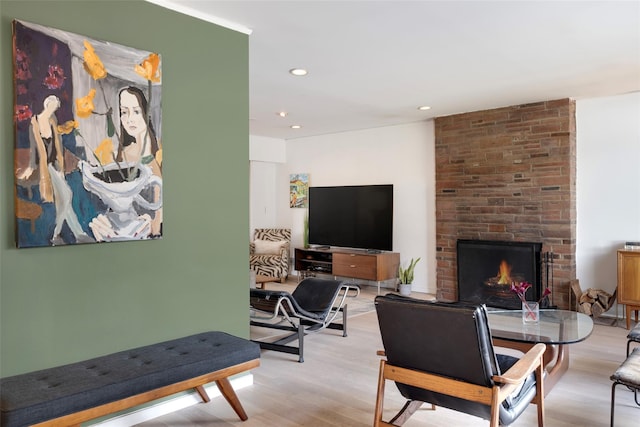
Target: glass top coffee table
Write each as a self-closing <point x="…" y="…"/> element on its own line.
<point x="556" y="328"/>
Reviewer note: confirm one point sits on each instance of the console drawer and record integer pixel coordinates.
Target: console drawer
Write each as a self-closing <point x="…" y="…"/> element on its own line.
<point x="355" y="265"/>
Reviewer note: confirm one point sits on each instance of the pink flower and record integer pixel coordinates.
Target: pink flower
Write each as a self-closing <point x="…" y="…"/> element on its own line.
<point x="22" y="66"/>
<point x="545" y="293"/>
<point x="55" y="78"/>
<point x="522" y="288"/>
<point x="23" y="112"/>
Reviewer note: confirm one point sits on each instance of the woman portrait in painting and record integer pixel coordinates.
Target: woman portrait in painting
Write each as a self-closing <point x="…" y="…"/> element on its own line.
<point x="139" y="144"/>
<point x="137" y="141"/>
<point x="48" y="158"/>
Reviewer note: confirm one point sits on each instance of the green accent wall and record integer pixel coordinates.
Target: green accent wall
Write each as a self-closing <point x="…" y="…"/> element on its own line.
<point x="69" y="303"/>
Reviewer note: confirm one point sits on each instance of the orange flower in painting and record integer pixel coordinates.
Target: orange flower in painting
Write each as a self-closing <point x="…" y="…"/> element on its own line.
<point x="92" y="63"/>
<point x="84" y="105"/>
<point x="149" y="69"/>
<point x="104" y="152"/>
<point x="67" y="127"/>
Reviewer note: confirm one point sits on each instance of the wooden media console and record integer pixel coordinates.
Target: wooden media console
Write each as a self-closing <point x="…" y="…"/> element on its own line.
<point x="349" y="263"/>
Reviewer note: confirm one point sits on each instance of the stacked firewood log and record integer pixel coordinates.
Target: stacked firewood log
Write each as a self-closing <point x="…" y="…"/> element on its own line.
<point x="593" y="302"/>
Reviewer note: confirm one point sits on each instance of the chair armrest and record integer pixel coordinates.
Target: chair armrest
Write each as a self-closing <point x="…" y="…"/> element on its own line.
<point x="381" y="353"/>
<point x="252" y="248"/>
<point x="523" y="367"/>
<point x="284" y="251"/>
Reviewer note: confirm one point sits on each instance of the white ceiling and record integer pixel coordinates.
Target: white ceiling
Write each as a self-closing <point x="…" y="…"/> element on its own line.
<point x="372" y="63"/>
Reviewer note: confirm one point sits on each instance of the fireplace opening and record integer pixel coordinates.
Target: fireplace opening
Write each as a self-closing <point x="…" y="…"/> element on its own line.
<point x="486" y="269"/>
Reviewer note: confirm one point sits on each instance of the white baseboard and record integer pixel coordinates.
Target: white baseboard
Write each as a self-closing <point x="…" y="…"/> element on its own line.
<point x="137" y="416"/>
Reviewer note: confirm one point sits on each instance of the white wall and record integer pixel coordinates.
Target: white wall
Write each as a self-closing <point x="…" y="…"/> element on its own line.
<point x="608" y="185"/>
<point x="264" y="154"/>
<point x="399" y="155"/>
<point x="265" y="149"/>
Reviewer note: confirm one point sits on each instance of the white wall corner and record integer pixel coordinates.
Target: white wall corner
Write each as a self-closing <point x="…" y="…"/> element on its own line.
<point x="263" y="149"/>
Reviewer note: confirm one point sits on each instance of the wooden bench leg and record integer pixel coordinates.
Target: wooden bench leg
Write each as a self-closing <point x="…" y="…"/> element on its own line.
<point x="203" y="394"/>
<point x="229" y="394"/>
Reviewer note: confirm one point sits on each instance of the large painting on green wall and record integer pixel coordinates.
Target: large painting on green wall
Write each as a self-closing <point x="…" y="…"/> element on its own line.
<point x="88" y="152"/>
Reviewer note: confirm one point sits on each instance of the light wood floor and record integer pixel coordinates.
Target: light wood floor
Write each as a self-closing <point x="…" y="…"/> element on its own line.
<point x="336" y="386"/>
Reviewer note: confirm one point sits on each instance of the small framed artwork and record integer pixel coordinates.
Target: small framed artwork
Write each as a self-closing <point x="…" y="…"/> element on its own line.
<point x="299" y="190"/>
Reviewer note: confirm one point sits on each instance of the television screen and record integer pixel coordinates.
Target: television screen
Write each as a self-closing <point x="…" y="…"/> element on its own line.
<point x="355" y="216"/>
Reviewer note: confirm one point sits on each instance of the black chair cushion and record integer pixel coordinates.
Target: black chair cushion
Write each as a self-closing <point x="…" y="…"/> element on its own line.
<point x="317" y="295"/>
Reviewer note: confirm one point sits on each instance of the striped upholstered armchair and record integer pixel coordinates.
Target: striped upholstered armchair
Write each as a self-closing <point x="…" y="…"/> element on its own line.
<point x="269" y="252"/>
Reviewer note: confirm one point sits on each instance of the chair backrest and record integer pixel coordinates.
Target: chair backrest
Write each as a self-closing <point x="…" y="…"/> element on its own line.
<point x="445" y="339"/>
<point x="272" y="234"/>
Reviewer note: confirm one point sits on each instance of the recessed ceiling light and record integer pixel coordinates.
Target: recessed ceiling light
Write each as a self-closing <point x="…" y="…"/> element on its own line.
<point x="282" y="113"/>
<point x="295" y="126"/>
<point x="298" y="71"/>
<point x="424" y="108"/>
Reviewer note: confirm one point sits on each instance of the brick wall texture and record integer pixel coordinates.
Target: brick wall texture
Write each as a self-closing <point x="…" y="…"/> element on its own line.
<point x="508" y="174"/>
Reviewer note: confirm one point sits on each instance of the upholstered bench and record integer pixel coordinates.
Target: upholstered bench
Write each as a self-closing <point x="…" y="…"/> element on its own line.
<point x="70" y="394"/>
<point x="627" y="374"/>
<point x="634" y="336"/>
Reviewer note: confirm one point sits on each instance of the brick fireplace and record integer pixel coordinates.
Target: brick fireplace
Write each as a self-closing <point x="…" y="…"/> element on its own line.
<point x="507" y="174"/>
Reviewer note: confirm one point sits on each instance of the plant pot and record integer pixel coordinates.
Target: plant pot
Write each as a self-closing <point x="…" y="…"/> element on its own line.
<point x="404" y="289"/>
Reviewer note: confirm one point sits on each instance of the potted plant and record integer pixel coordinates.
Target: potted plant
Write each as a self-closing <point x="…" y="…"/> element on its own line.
<point x="305" y="232"/>
<point x="405" y="277"/>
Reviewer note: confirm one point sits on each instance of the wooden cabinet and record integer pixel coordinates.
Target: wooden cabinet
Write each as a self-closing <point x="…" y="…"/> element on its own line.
<point x="629" y="282"/>
<point x="349" y="263"/>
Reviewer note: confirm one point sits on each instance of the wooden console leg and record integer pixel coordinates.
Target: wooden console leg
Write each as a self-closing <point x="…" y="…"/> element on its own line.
<point x="230" y="395"/>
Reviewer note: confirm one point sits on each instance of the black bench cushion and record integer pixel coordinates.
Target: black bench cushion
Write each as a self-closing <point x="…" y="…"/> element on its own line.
<point x="50" y="393"/>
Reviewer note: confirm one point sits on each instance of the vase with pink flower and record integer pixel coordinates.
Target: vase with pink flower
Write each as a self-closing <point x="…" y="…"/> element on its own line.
<point x="530" y="309"/>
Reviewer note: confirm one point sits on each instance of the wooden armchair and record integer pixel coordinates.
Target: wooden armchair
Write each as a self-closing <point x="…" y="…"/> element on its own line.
<point x="269" y="252"/>
<point x="442" y="354"/>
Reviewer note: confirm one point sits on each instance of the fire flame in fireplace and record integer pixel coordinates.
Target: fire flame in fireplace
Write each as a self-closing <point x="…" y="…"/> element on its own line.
<point x="504" y="278"/>
<point x="504" y="274"/>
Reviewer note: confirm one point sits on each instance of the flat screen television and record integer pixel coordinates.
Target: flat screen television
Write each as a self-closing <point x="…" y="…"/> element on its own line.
<point x="354" y="216"/>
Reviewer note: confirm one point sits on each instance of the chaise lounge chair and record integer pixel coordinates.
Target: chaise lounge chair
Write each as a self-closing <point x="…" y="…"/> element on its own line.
<point x="314" y="305"/>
